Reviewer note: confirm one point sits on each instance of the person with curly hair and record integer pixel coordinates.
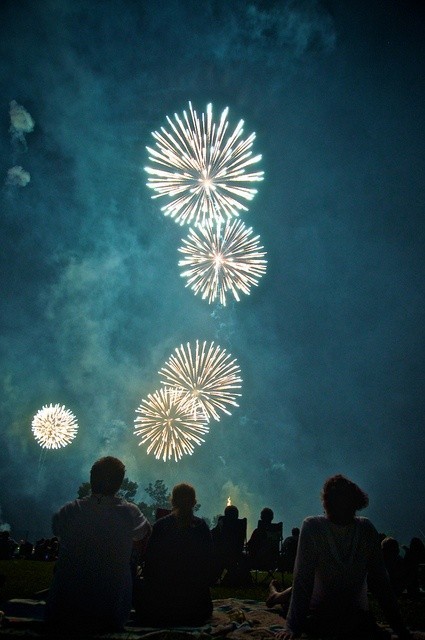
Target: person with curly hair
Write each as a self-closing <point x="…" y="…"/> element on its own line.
<point x="338" y="557"/>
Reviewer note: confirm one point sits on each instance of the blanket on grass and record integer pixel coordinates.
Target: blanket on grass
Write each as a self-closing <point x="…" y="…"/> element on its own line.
<point x="232" y="619"/>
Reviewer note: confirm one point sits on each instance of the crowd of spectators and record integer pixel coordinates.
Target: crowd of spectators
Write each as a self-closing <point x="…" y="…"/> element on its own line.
<point x="42" y="549"/>
<point x="121" y="557"/>
<point x="234" y="556"/>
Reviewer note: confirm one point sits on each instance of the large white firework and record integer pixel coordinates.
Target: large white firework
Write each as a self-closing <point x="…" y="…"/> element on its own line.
<point x="54" y="426"/>
<point x="201" y="169"/>
<point x="170" y="424"/>
<point x="222" y="259"/>
<point x="207" y="374"/>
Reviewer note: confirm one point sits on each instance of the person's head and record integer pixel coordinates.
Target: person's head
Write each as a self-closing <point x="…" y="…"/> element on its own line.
<point x="417" y="548"/>
<point x="183" y="499"/>
<point x="342" y="498"/>
<point x="390" y="548"/>
<point x="106" y="476"/>
<point x="295" y="532"/>
<point x="231" y="512"/>
<point x="266" y="515"/>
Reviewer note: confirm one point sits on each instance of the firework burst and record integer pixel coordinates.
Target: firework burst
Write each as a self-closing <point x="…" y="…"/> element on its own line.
<point x="207" y="374"/>
<point x="201" y="168"/>
<point x="54" y="426"/>
<point x="170" y="423"/>
<point x="222" y="260"/>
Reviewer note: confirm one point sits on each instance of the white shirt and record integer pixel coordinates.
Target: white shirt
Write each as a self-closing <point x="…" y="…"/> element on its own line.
<point x="92" y="579"/>
<point x="331" y="569"/>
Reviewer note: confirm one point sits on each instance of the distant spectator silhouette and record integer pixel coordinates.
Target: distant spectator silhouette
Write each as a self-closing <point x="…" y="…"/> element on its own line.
<point x="8" y="545"/>
<point x="26" y="549"/>
<point x="92" y="586"/>
<point x="289" y="550"/>
<point x="336" y="554"/>
<point x="263" y="547"/>
<point x="177" y="572"/>
<point x="414" y="557"/>
<point x="259" y="534"/>
<point x="229" y="536"/>
<point x="394" y="564"/>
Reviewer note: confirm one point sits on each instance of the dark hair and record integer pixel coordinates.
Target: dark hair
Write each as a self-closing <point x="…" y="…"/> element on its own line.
<point x="106" y="476"/>
<point x="266" y="515"/>
<point x="390" y="548"/>
<point x="231" y="512"/>
<point x="342" y="498"/>
<point x="295" y="532"/>
<point x="183" y="499"/>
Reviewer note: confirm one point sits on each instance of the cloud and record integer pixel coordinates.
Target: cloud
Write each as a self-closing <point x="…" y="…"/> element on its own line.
<point x="276" y="34"/>
<point x="21" y="122"/>
<point x="278" y="466"/>
<point x="4" y="526"/>
<point x="17" y="176"/>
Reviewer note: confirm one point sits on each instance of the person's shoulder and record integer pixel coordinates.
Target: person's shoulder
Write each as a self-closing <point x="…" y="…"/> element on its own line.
<point x="130" y="508"/>
<point x="165" y="522"/>
<point x="314" y="522"/>
<point x="73" y="505"/>
<point x="199" y="522"/>
<point x="365" y="524"/>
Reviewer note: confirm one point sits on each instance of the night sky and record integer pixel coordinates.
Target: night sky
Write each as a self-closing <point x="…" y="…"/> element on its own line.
<point x="330" y="343"/>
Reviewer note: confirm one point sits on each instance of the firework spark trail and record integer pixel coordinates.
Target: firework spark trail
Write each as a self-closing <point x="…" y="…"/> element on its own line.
<point x="204" y="169"/>
<point x="54" y="426"/>
<point x="205" y="373"/>
<point x="169" y="424"/>
<point x="222" y="260"/>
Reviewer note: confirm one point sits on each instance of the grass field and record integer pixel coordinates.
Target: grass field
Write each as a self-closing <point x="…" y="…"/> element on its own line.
<point x="23" y="578"/>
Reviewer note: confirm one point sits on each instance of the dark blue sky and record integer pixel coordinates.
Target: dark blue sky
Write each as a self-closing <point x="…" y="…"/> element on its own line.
<point x="331" y="342"/>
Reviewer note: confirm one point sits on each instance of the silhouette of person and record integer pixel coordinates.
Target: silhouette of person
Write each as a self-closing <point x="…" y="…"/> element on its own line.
<point x="229" y="539"/>
<point x="414" y="556"/>
<point x="177" y="571"/>
<point x="92" y="584"/>
<point x="394" y="564"/>
<point x="337" y="554"/>
<point x="289" y="550"/>
<point x="258" y="536"/>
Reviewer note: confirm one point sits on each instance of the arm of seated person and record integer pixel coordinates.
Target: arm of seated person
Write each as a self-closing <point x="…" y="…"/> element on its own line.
<point x="140" y="545"/>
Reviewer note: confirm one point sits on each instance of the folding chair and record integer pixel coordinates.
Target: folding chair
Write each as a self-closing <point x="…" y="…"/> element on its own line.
<point x="268" y="557"/>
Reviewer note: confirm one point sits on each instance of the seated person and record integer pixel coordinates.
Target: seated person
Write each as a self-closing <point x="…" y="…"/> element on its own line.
<point x="264" y="544"/>
<point x="259" y="535"/>
<point x="8" y="546"/>
<point x="394" y="564"/>
<point x="229" y="539"/>
<point x="289" y="550"/>
<point x="92" y="585"/>
<point x="177" y="572"/>
<point x="414" y="557"/>
<point x="337" y="554"/>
